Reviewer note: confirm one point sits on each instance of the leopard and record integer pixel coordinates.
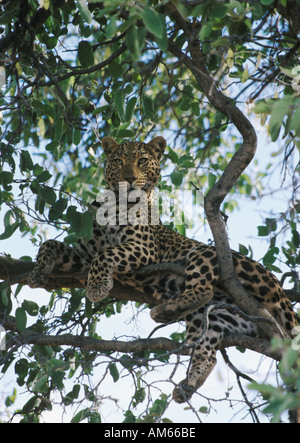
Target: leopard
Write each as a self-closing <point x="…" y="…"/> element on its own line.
<point x="121" y="246"/>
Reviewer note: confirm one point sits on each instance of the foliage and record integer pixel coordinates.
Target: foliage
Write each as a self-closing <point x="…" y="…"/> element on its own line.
<point x="73" y="71"/>
<point x="278" y="400"/>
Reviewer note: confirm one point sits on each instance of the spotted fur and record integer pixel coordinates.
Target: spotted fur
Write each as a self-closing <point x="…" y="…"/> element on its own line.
<point x="120" y="250"/>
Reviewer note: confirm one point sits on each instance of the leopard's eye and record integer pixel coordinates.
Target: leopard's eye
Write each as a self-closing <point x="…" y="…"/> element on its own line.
<point x="118" y="161"/>
<point x="143" y="160"/>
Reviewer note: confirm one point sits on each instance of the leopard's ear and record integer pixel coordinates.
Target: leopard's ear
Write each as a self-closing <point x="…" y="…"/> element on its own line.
<point x="109" y="145"/>
<point x="157" y="146"/>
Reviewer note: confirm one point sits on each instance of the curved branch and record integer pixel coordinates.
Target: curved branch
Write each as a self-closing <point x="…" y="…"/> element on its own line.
<point x="213" y="200"/>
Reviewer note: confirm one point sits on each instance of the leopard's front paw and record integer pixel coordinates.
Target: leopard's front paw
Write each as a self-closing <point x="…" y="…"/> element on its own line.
<point x="97" y="292"/>
<point x="165" y="313"/>
<point x="37" y="279"/>
<point x="183" y="392"/>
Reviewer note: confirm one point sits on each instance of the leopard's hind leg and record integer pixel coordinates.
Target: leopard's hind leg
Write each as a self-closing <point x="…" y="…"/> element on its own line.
<point x="205" y="344"/>
<point x="201" y="274"/>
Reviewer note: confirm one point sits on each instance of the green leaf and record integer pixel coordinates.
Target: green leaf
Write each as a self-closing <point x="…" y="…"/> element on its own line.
<point x="271" y="224"/>
<point x="94" y="417"/>
<point x="82" y="224"/>
<point x="211" y="179"/>
<point x="257" y="11"/>
<point x="50" y="111"/>
<point x="124" y="133"/>
<point x="154" y="22"/>
<point x="5" y="292"/>
<point x="85" y="54"/>
<point x="8" y="219"/>
<point x="185" y="104"/>
<point x="295" y="238"/>
<point x="41" y="383"/>
<point x="262" y="106"/>
<point x="81" y="415"/>
<point x="38" y="106"/>
<point x="243" y="250"/>
<point x="57" y="209"/>
<point x="29" y="405"/>
<point x="11" y="398"/>
<point x="148" y="106"/>
<point x="129" y="417"/>
<point x="30" y="307"/>
<point x="44" y="176"/>
<point x="59" y="125"/>
<point x="51" y="42"/>
<point x="130" y="108"/>
<point x="21" y="368"/>
<point x="9" y="231"/>
<point x="21" y="319"/>
<point x="111" y="27"/>
<point x="26" y="163"/>
<point x="135" y="40"/>
<point x="118" y="98"/>
<point x="48" y="194"/>
<point x="6" y="178"/>
<point x="270" y="256"/>
<point x="220" y="11"/>
<point x="280" y="109"/>
<point x="72" y="395"/>
<point x="264" y="389"/>
<point x="52" y="146"/>
<point x="205" y="32"/>
<point x="76" y="136"/>
<point x="114" y="372"/>
<point x="245" y="75"/>
<point x="176" y="178"/>
<point x="84" y="11"/>
<point x="263" y="231"/>
<point x="288" y="360"/>
<point x="116" y="69"/>
<point x="295" y="122"/>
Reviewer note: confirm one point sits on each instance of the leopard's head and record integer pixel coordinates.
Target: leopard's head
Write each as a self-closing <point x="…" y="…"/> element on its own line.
<point x="135" y="163"/>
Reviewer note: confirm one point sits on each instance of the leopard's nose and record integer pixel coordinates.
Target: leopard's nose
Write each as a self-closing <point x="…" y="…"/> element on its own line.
<point x="130" y="178"/>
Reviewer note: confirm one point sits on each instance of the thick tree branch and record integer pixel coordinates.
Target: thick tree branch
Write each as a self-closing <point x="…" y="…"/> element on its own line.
<point x="16" y="272"/>
<point x="140" y="345"/>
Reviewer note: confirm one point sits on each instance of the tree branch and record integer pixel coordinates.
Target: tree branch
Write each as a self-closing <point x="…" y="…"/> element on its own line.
<point x="16" y="271"/>
<point x="213" y="200"/>
<point x="140" y="345"/>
